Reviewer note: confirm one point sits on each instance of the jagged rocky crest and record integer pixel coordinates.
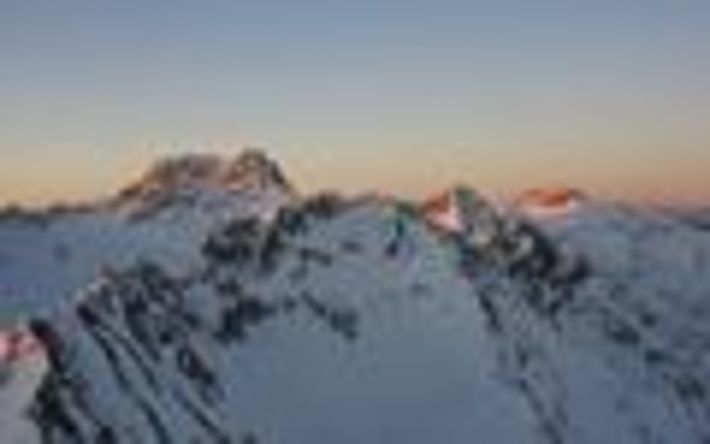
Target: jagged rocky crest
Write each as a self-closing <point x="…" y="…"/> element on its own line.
<point x="251" y="169"/>
<point x="206" y="181"/>
<point x="377" y="320"/>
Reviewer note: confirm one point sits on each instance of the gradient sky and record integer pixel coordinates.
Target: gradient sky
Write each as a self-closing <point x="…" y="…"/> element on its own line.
<point x="407" y="96"/>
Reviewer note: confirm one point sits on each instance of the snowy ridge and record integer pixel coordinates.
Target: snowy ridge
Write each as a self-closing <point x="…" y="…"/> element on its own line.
<point x="48" y="256"/>
<point x="380" y="321"/>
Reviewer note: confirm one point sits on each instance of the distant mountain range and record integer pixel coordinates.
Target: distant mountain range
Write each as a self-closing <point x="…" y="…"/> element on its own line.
<point x="211" y="302"/>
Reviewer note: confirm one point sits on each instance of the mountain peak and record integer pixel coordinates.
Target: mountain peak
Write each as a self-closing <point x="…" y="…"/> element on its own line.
<point x="457" y="209"/>
<point x="254" y="168"/>
<point x="251" y="169"/>
<point x="550" y="201"/>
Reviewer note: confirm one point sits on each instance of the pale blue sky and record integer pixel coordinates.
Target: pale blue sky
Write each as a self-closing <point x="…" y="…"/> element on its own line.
<point x="612" y="96"/>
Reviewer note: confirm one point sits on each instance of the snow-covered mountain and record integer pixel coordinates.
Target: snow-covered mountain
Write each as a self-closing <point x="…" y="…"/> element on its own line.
<point x="368" y="320"/>
<point x="47" y="256"/>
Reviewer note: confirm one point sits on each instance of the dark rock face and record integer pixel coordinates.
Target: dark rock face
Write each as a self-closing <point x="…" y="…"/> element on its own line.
<point x="134" y="325"/>
<point x="252" y="169"/>
<point x="202" y="183"/>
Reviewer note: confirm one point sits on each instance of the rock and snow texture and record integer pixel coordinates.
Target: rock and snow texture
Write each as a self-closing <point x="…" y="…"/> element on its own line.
<point x="377" y="321"/>
<point x="48" y="256"/>
<point x="23" y="366"/>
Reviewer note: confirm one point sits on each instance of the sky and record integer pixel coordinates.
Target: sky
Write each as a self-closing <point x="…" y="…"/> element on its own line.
<point x="405" y="96"/>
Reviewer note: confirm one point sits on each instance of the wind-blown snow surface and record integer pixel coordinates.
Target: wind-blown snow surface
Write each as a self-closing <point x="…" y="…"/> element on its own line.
<point x="363" y="321"/>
